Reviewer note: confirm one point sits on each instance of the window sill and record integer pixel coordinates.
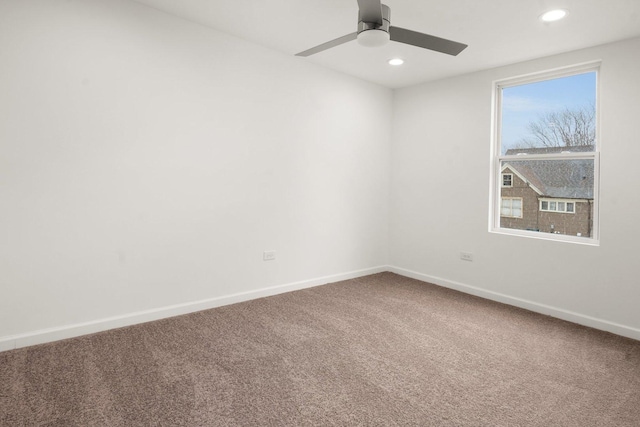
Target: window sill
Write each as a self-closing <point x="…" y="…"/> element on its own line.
<point x="588" y="241"/>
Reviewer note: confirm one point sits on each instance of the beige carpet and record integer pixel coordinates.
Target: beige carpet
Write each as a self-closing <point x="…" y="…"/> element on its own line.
<point x="380" y="350"/>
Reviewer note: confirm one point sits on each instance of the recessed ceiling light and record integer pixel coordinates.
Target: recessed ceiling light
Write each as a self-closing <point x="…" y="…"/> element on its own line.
<point x="553" y="15"/>
<point x="396" y="61"/>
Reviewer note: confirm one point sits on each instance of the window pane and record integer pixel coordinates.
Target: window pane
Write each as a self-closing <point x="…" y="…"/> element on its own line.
<point x="550" y="116"/>
<point x="547" y="138"/>
<point x="506" y="207"/>
<point x="517" y="208"/>
<point x="548" y="180"/>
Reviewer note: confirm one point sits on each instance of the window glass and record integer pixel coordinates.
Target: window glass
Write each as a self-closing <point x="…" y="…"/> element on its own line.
<point x="547" y="137"/>
<point x="506" y="207"/>
<point x="550" y="115"/>
<point x="517" y="208"/>
<point x="511" y="207"/>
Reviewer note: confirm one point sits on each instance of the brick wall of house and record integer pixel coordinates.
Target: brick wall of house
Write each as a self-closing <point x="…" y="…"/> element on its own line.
<point x="529" y="220"/>
<point x="567" y="223"/>
<point x="533" y="219"/>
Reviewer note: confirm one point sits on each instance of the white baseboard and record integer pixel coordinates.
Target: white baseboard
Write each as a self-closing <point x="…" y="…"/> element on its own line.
<point x="71" y="331"/>
<point x="54" y="334"/>
<point x="581" y="319"/>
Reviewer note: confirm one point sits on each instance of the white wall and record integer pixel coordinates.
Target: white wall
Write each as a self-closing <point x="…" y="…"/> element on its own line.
<point x="440" y="198"/>
<point x="147" y="161"/>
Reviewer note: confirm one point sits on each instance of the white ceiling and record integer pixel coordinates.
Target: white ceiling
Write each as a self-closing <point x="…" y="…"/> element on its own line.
<point x="498" y="32"/>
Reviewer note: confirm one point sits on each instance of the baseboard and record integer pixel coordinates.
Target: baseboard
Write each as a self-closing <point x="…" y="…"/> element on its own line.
<point x="71" y="331"/>
<point x="581" y="319"/>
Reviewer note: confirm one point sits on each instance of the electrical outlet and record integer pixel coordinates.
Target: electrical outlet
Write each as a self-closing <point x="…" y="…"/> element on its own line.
<point x="466" y="256"/>
<point x="268" y="255"/>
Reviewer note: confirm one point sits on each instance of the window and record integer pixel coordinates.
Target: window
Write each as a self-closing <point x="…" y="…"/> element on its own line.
<point x="545" y="133"/>
<point x="511" y="207"/>
<point x="564" y="206"/>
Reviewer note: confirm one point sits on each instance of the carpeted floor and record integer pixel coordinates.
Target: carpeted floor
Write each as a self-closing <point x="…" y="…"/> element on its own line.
<point x="380" y="350"/>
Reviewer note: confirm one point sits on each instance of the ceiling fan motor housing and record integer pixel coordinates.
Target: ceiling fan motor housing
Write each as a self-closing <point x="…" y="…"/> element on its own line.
<point x="373" y="34"/>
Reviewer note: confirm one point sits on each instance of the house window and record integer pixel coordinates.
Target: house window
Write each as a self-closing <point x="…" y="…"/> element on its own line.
<point x="546" y="135"/>
<point x="563" y="206"/>
<point x="511" y="207"/>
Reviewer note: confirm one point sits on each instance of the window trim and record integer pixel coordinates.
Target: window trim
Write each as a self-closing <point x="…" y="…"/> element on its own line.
<point x="565" y="201"/>
<point x="496" y="160"/>
<point x="511" y="198"/>
<point x="510" y="180"/>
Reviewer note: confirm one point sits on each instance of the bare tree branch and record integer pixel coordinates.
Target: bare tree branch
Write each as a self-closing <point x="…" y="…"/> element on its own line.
<point x="565" y="128"/>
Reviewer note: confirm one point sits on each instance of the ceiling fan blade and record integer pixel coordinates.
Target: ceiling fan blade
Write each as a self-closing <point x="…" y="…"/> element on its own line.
<point x="426" y="41"/>
<point x="329" y="45"/>
<point x="370" y="11"/>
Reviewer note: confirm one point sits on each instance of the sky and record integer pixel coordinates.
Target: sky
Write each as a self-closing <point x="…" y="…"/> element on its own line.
<point x="526" y="103"/>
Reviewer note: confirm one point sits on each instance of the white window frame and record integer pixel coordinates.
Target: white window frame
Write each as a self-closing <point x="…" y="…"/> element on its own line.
<point x="557" y="210"/>
<point x="511" y="198"/>
<point x="497" y="158"/>
<point x="510" y="180"/>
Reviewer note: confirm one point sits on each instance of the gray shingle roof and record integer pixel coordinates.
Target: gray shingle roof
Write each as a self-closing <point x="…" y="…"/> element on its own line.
<point x="551" y="150"/>
<point x="566" y="179"/>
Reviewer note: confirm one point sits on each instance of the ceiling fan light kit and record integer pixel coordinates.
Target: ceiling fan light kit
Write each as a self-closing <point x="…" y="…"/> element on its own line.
<point x="374" y="30"/>
<point x="374" y="34"/>
<point x="373" y="38"/>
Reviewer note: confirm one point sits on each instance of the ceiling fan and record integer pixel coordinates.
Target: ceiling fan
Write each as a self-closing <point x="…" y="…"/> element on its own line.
<point x="374" y="29"/>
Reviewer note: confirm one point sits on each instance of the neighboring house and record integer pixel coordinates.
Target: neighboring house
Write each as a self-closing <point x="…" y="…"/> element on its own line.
<point x="553" y="196"/>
